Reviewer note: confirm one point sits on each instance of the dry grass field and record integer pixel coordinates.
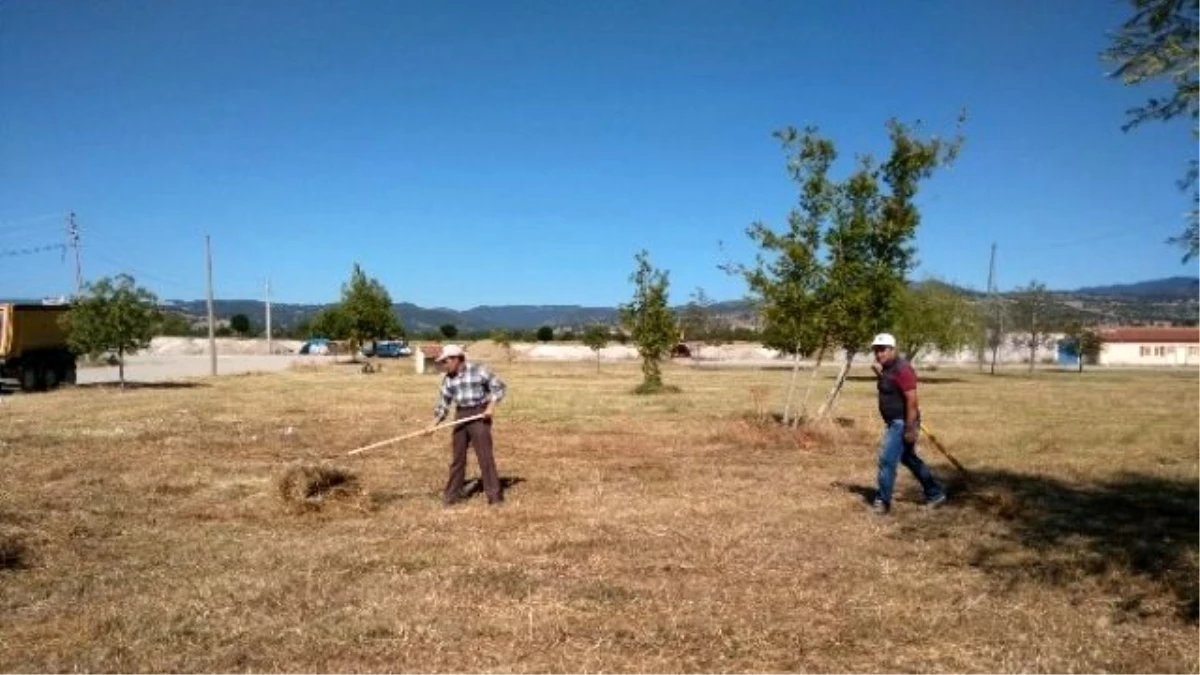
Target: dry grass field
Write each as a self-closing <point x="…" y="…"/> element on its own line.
<point x="145" y="531"/>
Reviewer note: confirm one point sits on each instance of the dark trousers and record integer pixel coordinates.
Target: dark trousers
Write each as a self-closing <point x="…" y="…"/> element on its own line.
<point x="477" y="434"/>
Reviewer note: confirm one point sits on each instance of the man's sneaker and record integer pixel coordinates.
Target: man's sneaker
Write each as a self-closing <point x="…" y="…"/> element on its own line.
<point x="936" y="501"/>
<point x="881" y="507"/>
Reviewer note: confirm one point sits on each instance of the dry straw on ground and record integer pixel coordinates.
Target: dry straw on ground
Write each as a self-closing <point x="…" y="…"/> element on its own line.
<point x="13" y="552"/>
<point x="672" y="533"/>
<point x="309" y="487"/>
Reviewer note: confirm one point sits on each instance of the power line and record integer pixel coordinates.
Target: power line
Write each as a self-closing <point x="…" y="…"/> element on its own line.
<point x="4" y="253"/>
<point x="125" y="267"/>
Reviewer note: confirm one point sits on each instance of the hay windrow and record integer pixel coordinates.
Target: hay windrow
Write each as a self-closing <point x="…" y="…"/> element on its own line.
<point x="308" y="487"/>
<point x="13" y="553"/>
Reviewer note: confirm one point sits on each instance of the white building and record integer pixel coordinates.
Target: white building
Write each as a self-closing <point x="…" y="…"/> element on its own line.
<point x="1150" y="347"/>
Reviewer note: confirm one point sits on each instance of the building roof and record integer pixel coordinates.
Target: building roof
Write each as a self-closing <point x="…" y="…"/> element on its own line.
<point x="1150" y="334"/>
<point x="431" y="351"/>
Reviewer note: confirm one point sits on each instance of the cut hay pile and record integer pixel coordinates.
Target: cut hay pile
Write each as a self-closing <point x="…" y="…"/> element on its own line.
<point x="307" y="487"/>
<point x="13" y="552"/>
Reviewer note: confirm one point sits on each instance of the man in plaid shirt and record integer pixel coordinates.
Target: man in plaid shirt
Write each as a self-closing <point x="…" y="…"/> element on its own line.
<point x="474" y="389"/>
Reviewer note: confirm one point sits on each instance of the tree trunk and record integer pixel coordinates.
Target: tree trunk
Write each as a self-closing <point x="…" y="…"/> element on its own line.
<point x="121" y="367"/>
<point x="597" y="362"/>
<point x="812" y="381"/>
<point x="827" y="407"/>
<point x="651" y="372"/>
<point x="787" y="403"/>
<point x="1032" y="353"/>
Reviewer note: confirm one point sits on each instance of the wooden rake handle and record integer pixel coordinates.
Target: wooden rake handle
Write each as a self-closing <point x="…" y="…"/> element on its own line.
<point x="941" y="448"/>
<point x="414" y="434"/>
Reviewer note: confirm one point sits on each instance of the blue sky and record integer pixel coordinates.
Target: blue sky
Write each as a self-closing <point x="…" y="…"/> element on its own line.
<point x="471" y="153"/>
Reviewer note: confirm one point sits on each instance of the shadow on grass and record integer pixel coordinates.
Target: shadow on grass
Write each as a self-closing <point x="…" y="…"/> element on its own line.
<point x="843" y="422"/>
<point x="143" y="385"/>
<point x="1055" y="533"/>
<point x="474" y="486"/>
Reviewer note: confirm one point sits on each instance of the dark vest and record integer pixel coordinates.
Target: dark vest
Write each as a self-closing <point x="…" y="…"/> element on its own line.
<point x="892" y="404"/>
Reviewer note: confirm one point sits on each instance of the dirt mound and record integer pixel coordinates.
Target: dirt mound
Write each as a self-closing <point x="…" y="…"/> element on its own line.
<point x="487" y="350"/>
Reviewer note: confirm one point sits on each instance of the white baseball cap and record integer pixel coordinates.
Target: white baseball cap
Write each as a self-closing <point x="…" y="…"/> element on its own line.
<point x="884" y="340"/>
<point x="450" y="350"/>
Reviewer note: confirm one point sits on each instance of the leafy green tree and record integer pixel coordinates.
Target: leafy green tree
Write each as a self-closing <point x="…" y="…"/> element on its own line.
<point x="650" y="321"/>
<point x="934" y="315"/>
<point x="1083" y="343"/>
<point x="330" y="323"/>
<point x="596" y="338"/>
<point x="870" y="245"/>
<point x="1161" y="42"/>
<point x="366" y="311"/>
<point x="449" y="331"/>
<point x="787" y="278"/>
<point x="1030" y="309"/>
<point x="240" y="323"/>
<point x="545" y="334"/>
<point x="112" y="316"/>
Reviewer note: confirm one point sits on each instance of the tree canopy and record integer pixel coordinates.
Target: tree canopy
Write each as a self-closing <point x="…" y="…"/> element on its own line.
<point x="649" y="320"/>
<point x="934" y="315"/>
<point x="595" y="337"/>
<point x="1160" y="44"/>
<point x="365" y="312"/>
<point x="240" y="323"/>
<point x="113" y="315"/>
<point x="831" y="278"/>
<point x="1030" y="314"/>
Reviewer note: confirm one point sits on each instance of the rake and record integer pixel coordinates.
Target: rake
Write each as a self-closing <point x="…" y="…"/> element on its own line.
<point x="941" y="448"/>
<point x="405" y="437"/>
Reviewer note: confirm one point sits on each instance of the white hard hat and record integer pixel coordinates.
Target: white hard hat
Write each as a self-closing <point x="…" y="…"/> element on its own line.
<point x="450" y="350"/>
<point x="884" y="340"/>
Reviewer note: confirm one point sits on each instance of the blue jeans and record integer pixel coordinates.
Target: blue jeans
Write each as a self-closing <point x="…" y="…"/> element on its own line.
<point x="895" y="450"/>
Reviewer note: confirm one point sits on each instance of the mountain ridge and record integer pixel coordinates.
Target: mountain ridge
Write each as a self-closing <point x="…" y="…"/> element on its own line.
<point x="1165" y="299"/>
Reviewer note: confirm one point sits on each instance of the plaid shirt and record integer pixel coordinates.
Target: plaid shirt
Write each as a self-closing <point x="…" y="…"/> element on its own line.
<point x="474" y="386"/>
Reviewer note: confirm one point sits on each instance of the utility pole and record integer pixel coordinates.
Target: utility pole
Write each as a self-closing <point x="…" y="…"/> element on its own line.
<point x="73" y="238"/>
<point x="996" y="319"/>
<point x="268" y="299"/>
<point x="212" y="330"/>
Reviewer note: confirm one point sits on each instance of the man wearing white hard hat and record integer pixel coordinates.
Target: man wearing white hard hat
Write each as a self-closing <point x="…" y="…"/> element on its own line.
<point x="901" y="414"/>
<point x="474" y="389"/>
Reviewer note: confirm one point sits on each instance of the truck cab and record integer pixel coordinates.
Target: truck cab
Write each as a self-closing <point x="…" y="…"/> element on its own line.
<point x="33" y="346"/>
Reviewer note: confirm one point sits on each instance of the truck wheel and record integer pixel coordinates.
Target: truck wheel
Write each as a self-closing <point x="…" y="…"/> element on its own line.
<point x="50" y="378"/>
<point x="71" y="375"/>
<point x="30" y="378"/>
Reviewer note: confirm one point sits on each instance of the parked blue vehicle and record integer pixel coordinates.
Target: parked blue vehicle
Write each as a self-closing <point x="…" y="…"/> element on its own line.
<point x="387" y="349"/>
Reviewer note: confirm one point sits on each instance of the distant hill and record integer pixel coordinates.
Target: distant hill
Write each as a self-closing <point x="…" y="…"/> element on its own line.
<point x="1170" y="299"/>
<point x="1170" y="288"/>
<point x="416" y="318"/>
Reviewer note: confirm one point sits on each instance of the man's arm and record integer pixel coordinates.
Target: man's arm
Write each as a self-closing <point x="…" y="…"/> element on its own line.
<point x="906" y="379"/>
<point x="496" y="390"/>
<point x="445" y="396"/>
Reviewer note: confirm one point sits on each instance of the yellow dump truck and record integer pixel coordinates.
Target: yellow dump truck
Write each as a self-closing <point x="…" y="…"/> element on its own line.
<point x="33" y="346"/>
